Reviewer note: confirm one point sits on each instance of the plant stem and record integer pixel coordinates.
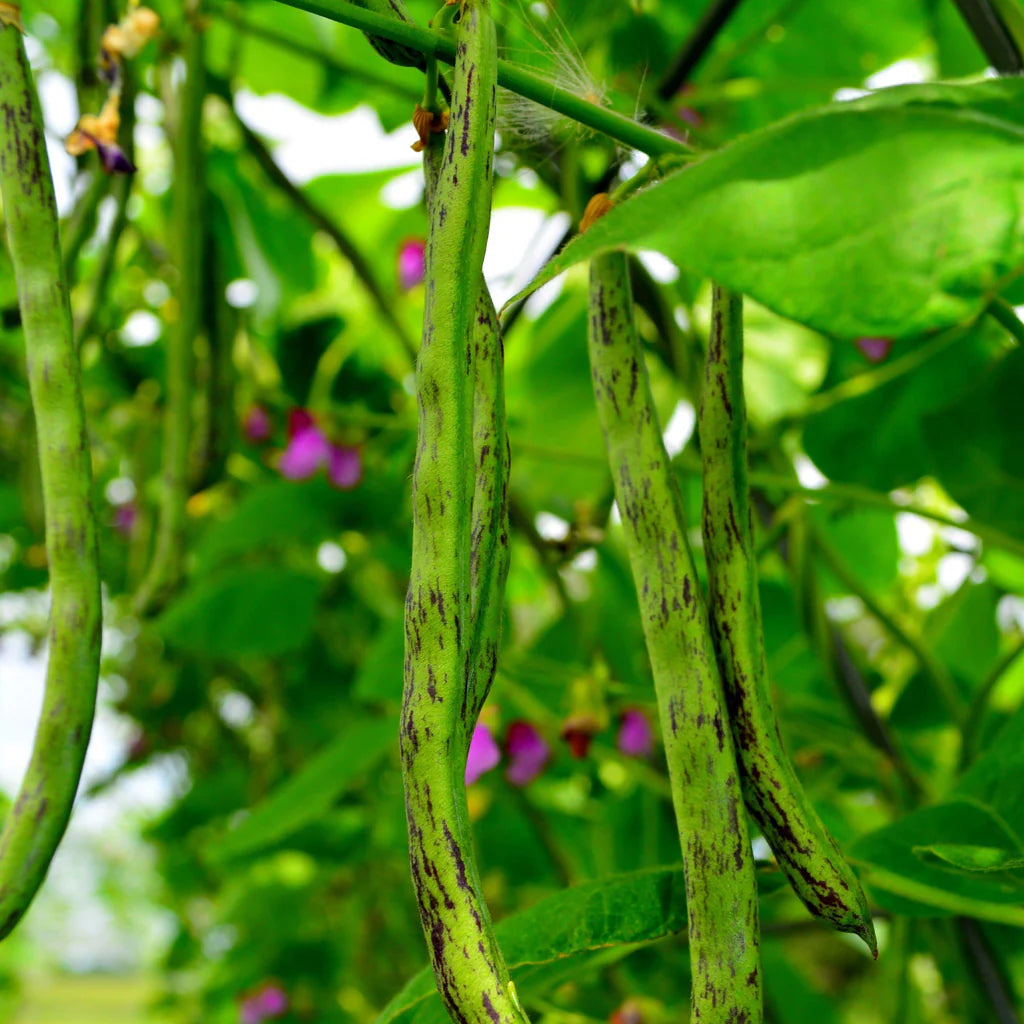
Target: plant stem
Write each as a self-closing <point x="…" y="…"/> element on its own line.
<point x="510" y="76"/>
<point x="936" y="673"/>
<point x="324" y="58"/>
<point x="322" y="222"/>
<point x="992" y="35"/>
<point x="1002" y="312"/>
<point x="707" y="29"/>
<point x="166" y="569"/>
<point x="980" y="701"/>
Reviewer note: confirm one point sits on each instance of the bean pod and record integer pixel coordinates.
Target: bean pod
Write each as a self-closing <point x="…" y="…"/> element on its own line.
<point x="36" y="823"/>
<point x="777" y="801"/>
<point x="440" y="696"/>
<point x="721" y="890"/>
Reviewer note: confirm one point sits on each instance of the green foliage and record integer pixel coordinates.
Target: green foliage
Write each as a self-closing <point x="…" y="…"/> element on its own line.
<point x="270" y="678"/>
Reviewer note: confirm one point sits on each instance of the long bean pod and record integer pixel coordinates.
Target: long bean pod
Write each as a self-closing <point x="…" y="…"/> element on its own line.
<point x="469" y="969"/>
<point x="721" y="891"/>
<point x="489" y="547"/>
<point x="805" y="850"/>
<point x="40" y="814"/>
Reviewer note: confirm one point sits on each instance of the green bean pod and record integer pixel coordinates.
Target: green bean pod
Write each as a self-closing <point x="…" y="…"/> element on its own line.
<point x="721" y="890"/>
<point x="36" y="823"/>
<point x="774" y="795"/>
<point x="469" y="969"/>
<point x="489" y="547"/>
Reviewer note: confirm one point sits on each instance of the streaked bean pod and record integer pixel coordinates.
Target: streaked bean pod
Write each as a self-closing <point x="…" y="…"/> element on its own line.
<point x="439" y="698"/>
<point x="774" y="794"/>
<point x="721" y="891"/>
<point x="36" y="823"/>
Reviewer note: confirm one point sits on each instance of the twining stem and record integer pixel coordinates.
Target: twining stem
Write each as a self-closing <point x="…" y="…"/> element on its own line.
<point x="166" y="569"/>
<point x="322" y="222"/>
<point x="36" y="823"/>
<point x="510" y="76"/>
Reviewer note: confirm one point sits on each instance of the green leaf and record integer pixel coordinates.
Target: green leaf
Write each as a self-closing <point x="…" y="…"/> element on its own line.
<point x="308" y="796"/>
<point x="972" y="858"/>
<point x="976" y="449"/>
<point x="887" y="222"/>
<point x="637" y="907"/>
<point x="258" y="611"/>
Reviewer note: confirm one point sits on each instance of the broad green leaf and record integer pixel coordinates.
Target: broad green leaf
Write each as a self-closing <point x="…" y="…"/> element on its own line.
<point x="637" y="907"/>
<point x="909" y="885"/>
<point x="257" y="611"/>
<point x="976" y="450"/>
<point x="790" y="995"/>
<point x="973" y="858"/>
<point x="993" y="779"/>
<point x="885" y="222"/>
<point x="308" y="796"/>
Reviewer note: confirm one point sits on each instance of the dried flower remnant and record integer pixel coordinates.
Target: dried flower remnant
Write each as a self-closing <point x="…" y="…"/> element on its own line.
<point x="100" y="132"/>
<point x="484" y="754"/>
<point x="636" y="737"/>
<point x="579" y="730"/>
<point x="528" y="753"/>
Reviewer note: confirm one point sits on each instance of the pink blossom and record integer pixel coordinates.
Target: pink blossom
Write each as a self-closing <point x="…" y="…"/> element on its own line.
<point x="483" y="754"/>
<point x="269" y="1002"/>
<point x="528" y="752"/>
<point x="636" y="737"/>
<point x="309" y="451"/>
<point x="124" y="518"/>
<point x="345" y="466"/>
<point x="411" y="263"/>
<point x="256" y="426"/>
<point x="874" y="350"/>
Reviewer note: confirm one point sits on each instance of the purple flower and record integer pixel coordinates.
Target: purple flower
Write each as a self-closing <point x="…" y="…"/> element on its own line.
<point x="483" y="754"/>
<point x="124" y="518"/>
<point x="411" y="263"/>
<point x="636" y="737"/>
<point x="256" y="426"/>
<point x="271" y="1001"/>
<point x="345" y="466"/>
<point x="527" y="751"/>
<point x="874" y="350"/>
<point x="114" y="158"/>
<point x="309" y="451"/>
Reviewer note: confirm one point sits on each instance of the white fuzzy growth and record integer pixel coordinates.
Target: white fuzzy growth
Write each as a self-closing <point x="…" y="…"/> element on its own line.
<point x="562" y="64"/>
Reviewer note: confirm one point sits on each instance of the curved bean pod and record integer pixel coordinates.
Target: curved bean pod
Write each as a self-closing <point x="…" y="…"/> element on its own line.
<point x="777" y="801"/>
<point x="394" y="53"/>
<point x="721" y="890"/>
<point x="40" y="814"/>
<point x="469" y="969"/>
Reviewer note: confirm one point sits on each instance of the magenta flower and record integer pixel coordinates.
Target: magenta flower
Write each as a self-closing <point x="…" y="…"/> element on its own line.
<point x="271" y="1001"/>
<point x="527" y="751"/>
<point x="256" y="425"/>
<point x="874" y="350"/>
<point x="124" y="518"/>
<point x="309" y="451"/>
<point x="636" y="737"/>
<point x="483" y="754"/>
<point x="411" y="263"/>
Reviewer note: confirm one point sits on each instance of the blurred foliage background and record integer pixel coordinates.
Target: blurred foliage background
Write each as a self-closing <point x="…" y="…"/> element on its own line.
<point x="269" y="880"/>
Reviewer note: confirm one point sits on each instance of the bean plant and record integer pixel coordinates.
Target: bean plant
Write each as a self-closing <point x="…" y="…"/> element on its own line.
<point x="632" y="635"/>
